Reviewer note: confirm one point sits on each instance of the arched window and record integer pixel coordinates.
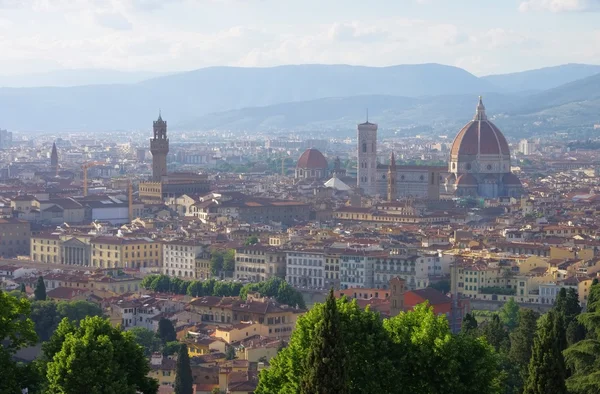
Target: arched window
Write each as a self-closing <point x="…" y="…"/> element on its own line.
<point x="364" y="147"/>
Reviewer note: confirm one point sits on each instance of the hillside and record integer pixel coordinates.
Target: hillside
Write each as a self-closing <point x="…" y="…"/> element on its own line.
<point x="187" y="96"/>
<point x="543" y="78"/>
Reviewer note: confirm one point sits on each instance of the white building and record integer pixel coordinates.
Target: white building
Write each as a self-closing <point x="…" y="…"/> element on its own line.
<point x="306" y="268"/>
<point x="179" y="258"/>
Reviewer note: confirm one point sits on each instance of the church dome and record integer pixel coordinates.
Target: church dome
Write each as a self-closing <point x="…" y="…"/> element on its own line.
<point x="479" y="137"/>
<point x="312" y="159"/>
<point x="466" y="180"/>
<point x="511" y="179"/>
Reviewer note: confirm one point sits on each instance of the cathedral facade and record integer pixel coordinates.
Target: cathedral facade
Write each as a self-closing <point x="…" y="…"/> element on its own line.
<point x="407" y="181"/>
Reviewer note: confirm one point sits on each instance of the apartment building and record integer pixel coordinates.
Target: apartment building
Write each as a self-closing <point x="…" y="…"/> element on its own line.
<point x="259" y="262"/>
<point x="180" y="256"/>
<point x="306" y="268"/>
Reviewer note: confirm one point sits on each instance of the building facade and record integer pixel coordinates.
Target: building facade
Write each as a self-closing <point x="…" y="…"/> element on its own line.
<point x="179" y="258"/>
<point x="306" y="268"/>
<point x="259" y="263"/>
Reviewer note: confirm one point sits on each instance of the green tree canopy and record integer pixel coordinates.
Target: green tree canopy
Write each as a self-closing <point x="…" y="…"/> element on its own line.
<point x="385" y="356"/>
<point x="469" y="324"/>
<point x="147" y="339"/>
<point x="547" y="371"/>
<point x="325" y="365"/>
<point x="46" y="315"/>
<point x="521" y="343"/>
<point x="184" y="383"/>
<point x="509" y="314"/>
<point x="166" y="331"/>
<point x="278" y="289"/>
<point x="40" y="290"/>
<point x="495" y="333"/>
<point x="16" y="331"/>
<point x="251" y="240"/>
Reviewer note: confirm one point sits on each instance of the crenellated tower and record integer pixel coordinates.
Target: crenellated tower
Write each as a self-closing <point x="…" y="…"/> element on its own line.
<point x="159" y="147"/>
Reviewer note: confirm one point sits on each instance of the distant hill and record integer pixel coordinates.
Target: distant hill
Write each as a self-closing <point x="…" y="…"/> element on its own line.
<point x="541" y="79"/>
<point x="64" y="78"/>
<point x="346" y="112"/>
<point x="189" y="95"/>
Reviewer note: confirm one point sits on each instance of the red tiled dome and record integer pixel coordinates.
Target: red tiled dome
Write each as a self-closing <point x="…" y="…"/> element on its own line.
<point x="312" y="159"/>
<point x="511" y="179"/>
<point x="480" y="136"/>
<point x="466" y="180"/>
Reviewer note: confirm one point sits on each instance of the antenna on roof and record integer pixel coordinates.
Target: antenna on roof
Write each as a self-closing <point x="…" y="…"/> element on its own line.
<point x="367" y="115"/>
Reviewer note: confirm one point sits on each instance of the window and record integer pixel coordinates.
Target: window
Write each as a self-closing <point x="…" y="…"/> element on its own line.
<point x="364" y="147"/>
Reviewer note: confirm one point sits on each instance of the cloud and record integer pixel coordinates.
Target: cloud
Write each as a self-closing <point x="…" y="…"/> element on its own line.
<point x="559" y="5"/>
<point x="112" y="20"/>
<point x="353" y="32"/>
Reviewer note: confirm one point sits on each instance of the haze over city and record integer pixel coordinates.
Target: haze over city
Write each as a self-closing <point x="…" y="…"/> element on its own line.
<point x="313" y="197"/>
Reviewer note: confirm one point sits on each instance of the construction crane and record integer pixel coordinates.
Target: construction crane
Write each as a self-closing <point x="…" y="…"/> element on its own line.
<point x="85" y="167"/>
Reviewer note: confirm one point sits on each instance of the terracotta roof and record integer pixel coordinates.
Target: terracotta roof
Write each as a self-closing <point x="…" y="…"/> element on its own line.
<point x="466" y="180"/>
<point x="479" y="136"/>
<point x="312" y="158"/>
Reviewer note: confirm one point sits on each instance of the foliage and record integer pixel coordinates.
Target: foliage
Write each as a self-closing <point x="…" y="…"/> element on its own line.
<point x="170" y="348"/>
<point x="325" y="365"/>
<point x="184" y="383"/>
<point x="146" y="339"/>
<point x="96" y="358"/>
<point x="163" y="283"/>
<point x="583" y="357"/>
<point x="509" y="314"/>
<point x="442" y="286"/>
<point x="16" y="332"/>
<point x="497" y="290"/>
<point x="567" y="305"/>
<point x="251" y="240"/>
<point x="521" y="342"/>
<point x="40" y="290"/>
<point x="382" y="357"/>
<point x="547" y="371"/>
<point x="278" y="289"/>
<point x="22" y="288"/>
<point x="469" y="324"/>
<point x="222" y="261"/>
<point x="166" y="331"/>
<point x="230" y="353"/>
<point x="495" y="334"/>
<point x="47" y="314"/>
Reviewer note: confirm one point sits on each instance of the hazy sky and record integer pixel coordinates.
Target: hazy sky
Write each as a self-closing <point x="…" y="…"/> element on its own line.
<point x="482" y="36"/>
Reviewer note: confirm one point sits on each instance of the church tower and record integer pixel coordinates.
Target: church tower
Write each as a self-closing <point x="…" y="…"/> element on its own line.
<point x="159" y="146"/>
<point x="367" y="158"/>
<point x="392" y="190"/>
<point x="54" y="159"/>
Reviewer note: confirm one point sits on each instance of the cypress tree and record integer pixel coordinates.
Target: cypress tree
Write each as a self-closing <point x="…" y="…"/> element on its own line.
<point x="547" y="371"/>
<point x="521" y="341"/>
<point x="184" y="383"/>
<point x="593" y="297"/>
<point x="495" y="334"/>
<point x="469" y="324"/>
<point x="325" y="366"/>
<point x="23" y="289"/>
<point x="166" y="331"/>
<point x="40" y="290"/>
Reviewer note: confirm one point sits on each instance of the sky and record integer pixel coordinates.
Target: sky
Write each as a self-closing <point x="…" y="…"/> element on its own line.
<point x="481" y="36"/>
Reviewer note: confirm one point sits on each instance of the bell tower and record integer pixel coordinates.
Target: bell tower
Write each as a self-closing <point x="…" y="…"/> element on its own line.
<point x="159" y="147"/>
<point x="367" y="158"/>
<point x="54" y="159"/>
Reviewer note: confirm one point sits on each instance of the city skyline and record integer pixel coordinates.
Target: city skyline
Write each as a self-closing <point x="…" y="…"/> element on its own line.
<point x="148" y="35"/>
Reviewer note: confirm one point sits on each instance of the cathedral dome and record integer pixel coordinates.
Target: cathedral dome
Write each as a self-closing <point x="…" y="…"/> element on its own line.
<point x="479" y="137"/>
<point x="312" y="159"/>
<point x="466" y="180"/>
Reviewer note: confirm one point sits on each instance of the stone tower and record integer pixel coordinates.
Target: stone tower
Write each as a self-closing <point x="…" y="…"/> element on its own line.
<point x="159" y="147"/>
<point x="367" y="158"/>
<point x="392" y="189"/>
<point x="54" y="159"/>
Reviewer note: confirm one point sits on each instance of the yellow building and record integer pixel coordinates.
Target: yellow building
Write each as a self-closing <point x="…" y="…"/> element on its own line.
<point x="46" y="248"/>
<point x="113" y="252"/>
<point x="203" y="270"/>
<point x="163" y="369"/>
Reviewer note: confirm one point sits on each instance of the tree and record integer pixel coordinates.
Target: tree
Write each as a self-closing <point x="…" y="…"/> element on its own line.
<point x="229" y="261"/>
<point x="96" y="358"/>
<point x="230" y="353"/>
<point x="325" y="366"/>
<point x="46" y="315"/>
<point x="251" y="240"/>
<point x="216" y="263"/>
<point x="567" y="305"/>
<point x="547" y="371"/>
<point x="23" y="289"/>
<point x="16" y="332"/>
<point x="166" y="331"/>
<point x="521" y="342"/>
<point x="509" y="314"/>
<point x="146" y="339"/>
<point x="469" y="324"/>
<point x="442" y="286"/>
<point x="183" y="381"/>
<point x="40" y="290"/>
<point x="495" y="334"/>
<point x="170" y="348"/>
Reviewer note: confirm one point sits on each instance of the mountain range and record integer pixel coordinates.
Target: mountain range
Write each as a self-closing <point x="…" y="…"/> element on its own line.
<point x="303" y="97"/>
